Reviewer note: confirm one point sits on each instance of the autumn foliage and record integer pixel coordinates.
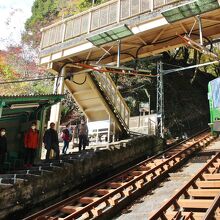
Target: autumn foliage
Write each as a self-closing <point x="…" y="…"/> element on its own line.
<point x="18" y="63"/>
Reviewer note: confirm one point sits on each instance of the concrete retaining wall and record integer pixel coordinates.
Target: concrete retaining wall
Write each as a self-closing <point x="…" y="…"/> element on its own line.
<point x="38" y="185"/>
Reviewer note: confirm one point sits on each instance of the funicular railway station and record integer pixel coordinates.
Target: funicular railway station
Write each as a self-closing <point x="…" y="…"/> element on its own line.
<point x="140" y="172"/>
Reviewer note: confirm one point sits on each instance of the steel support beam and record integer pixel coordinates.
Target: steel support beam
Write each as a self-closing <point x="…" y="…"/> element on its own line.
<point x="55" y="113"/>
<point x="160" y="100"/>
<point x="200" y="28"/>
<point x="119" y="53"/>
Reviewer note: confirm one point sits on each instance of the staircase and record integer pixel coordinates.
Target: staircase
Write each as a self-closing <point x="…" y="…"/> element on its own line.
<point x="98" y="97"/>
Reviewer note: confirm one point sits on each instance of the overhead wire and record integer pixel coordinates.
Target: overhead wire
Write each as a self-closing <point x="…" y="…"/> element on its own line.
<point x="168" y="64"/>
<point x="132" y="89"/>
<point x="123" y="72"/>
<point x="27" y="80"/>
<point x="134" y="57"/>
<point x="59" y="76"/>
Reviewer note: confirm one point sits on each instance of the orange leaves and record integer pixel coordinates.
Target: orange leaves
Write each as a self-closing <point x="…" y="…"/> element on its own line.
<point x="6" y="71"/>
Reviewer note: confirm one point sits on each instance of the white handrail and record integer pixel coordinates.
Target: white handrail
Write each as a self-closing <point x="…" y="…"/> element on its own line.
<point x="111" y="91"/>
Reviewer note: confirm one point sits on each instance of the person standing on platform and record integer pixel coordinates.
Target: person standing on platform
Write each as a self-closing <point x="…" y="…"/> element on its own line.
<point x="3" y="148"/>
<point x="50" y="140"/>
<point x="31" y="143"/>
<point x="66" y="136"/>
<point x="83" y="135"/>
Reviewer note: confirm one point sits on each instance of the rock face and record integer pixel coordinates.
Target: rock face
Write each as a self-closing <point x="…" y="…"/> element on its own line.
<point x="27" y="189"/>
<point x="186" y="102"/>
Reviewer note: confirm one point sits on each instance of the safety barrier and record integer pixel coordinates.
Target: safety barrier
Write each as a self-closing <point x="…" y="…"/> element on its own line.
<point x="98" y="17"/>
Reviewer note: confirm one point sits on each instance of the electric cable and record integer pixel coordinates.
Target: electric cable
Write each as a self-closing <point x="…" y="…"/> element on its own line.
<point x="27" y="80"/>
<point x="134" y="57"/>
<point x="72" y="74"/>
<point x="168" y="64"/>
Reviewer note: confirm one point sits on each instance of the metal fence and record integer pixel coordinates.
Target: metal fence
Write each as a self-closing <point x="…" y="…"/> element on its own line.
<point x="103" y="15"/>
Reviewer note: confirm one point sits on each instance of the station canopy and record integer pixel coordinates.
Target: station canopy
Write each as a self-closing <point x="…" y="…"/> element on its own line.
<point x="190" y="9"/>
<point x="21" y="105"/>
<point x="111" y="35"/>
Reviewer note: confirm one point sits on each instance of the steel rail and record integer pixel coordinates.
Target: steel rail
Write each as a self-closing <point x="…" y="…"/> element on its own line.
<point x="133" y="167"/>
<point x="113" y="190"/>
<point x="211" y="211"/>
<point x="181" y="212"/>
<point x="132" y="182"/>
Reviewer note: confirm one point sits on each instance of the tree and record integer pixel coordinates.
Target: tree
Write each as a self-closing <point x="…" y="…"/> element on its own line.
<point x="85" y="4"/>
<point x="43" y="12"/>
<point x="17" y="63"/>
<point x="190" y="87"/>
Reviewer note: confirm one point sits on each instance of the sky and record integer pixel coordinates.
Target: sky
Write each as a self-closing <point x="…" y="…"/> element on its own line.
<point x="13" y="14"/>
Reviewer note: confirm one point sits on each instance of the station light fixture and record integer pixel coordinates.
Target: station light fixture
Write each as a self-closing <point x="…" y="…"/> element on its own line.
<point x="190" y="9"/>
<point x="111" y="35"/>
<point x="27" y="105"/>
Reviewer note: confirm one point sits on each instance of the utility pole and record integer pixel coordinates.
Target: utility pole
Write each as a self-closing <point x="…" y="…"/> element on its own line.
<point x="160" y="100"/>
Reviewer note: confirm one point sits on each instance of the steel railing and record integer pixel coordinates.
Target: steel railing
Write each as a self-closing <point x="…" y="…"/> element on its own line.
<point x="95" y="18"/>
<point x="114" y="96"/>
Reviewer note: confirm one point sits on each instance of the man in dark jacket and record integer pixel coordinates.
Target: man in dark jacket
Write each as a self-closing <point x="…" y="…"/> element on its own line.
<point x="50" y="140"/>
<point x="83" y="135"/>
<point x="3" y="147"/>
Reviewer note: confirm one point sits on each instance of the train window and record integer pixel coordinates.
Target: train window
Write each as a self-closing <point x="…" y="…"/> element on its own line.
<point x="215" y="84"/>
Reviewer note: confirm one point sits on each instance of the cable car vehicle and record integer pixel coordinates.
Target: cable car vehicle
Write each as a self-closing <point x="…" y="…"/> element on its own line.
<point x="214" y="104"/>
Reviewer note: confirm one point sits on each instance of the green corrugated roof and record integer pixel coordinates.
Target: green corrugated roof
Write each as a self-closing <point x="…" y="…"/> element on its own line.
<point x="111" y="35"/>
<point x="190" y="9"/>
<point x="21" y="104"/>
<point x="25" y="98"/>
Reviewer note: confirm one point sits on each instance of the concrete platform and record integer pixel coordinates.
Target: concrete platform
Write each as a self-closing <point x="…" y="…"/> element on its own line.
<point x="73" y="147"/>
<point x="26" y="189"/>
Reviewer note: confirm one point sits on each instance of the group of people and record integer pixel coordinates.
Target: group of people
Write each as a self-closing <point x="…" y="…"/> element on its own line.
<point x="82" y="131"/>
<point x="50" y="140"/>
<point x="31" y="143"/>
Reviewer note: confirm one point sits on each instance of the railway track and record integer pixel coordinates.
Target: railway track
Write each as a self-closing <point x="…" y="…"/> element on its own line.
<point x="198" y="199"/>
<point x="104" y="198"/>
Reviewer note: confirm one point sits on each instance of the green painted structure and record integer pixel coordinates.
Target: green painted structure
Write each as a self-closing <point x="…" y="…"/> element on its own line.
<point x="16" y="115"/>
<point x="214" y="103"/>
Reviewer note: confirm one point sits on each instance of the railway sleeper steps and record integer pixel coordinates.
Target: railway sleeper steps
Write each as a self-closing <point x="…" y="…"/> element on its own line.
<point x="105" y="196"/>
<point x="199" y="199"/>
<point x="46" y="181"/>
